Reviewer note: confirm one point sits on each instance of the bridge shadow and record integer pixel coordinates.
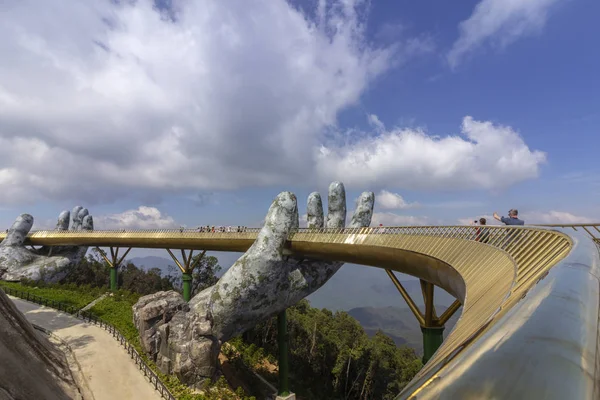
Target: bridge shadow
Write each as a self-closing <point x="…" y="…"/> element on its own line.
<point x="79" y="342"/>
<point x="50" y="319"/>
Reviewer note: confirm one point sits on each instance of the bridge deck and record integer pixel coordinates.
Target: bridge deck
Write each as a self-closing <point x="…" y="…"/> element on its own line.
<point x="487" y="278"/>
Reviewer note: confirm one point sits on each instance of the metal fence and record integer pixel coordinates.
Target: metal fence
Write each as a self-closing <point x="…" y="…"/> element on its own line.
<point x="91" y="318"/>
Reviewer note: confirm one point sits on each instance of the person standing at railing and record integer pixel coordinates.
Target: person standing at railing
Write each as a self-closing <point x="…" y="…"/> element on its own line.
<point x="482" y="233"/>
<point x="512" y="218"/>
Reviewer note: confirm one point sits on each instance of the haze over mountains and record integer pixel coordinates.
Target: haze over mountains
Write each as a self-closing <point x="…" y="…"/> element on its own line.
<point x="365" y="293"/>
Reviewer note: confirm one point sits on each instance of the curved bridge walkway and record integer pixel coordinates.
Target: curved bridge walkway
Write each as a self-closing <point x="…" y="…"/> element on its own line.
<point x="488" y="271"/>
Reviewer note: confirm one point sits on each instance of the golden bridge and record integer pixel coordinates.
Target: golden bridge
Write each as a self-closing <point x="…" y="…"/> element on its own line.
<point x="529" y="295"/>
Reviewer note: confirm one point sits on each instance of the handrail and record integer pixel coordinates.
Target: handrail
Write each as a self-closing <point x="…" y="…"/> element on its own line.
<point x="489" y="269"/>
<point x="543" y="347"/>
<point x="91" y="318"/>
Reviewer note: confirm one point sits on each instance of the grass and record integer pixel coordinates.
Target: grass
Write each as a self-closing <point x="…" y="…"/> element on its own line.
<point x="71" y="295"/>
<point x="116" y="309"/>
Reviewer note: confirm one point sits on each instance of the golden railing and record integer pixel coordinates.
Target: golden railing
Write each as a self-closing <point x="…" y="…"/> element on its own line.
<point x="487" y="268"/>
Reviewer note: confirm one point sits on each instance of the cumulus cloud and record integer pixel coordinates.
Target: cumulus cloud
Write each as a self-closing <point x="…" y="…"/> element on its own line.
<point x="537" y="217"/>
<point x="489" y="156"/>
<point x="555" y="217"/>
<point x="142" y="218"/>
<point x="392" y="201"/>
<point x="501" y="22"/>
<point x="102" y="98"/>
<point x="391" y="219"/>
<point x="489" y="220"/>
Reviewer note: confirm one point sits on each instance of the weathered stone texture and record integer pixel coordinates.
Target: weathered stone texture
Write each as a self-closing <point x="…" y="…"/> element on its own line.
<point x="18" y="262"/>
<point x="152" y="311"/>
<point x="260" y="284"/>
<point x="314" y="211"/>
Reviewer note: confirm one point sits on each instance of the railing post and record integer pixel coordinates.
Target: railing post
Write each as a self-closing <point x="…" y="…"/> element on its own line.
<point x="187" y="286"/>
<point x="282" y="339"/>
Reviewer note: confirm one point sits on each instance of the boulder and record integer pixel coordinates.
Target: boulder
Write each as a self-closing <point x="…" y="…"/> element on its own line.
<point x="152" y="311"/>
<point x="179" y="341"/>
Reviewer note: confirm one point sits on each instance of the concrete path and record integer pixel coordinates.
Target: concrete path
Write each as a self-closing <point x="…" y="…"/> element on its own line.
<point x="108" y="370"/>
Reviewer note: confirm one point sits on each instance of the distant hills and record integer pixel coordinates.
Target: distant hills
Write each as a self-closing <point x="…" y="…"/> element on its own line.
<point x="359" y="286"/>
<point x="150" y="262"/>
<point x="399" y="323"/>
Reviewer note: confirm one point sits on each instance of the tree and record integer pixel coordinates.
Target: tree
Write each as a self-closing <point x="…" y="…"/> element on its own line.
<point x="204" y="274"/>
<point x="333" y="358"/>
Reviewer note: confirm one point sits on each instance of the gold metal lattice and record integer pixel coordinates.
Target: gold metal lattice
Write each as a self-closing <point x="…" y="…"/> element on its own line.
<point x="489" y="269"/>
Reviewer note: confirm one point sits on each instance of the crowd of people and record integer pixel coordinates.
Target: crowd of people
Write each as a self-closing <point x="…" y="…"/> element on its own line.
<point x="213" y="229"/>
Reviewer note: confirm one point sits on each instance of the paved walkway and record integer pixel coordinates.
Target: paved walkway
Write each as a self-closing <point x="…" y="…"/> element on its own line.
<point x="107" y="368"/>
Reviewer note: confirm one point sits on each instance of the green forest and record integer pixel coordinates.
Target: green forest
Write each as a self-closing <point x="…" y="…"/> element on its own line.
<point x="331" y="356"/>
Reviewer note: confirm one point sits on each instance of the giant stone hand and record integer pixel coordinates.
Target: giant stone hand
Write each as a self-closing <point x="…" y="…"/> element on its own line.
<point x="47" y="263"/>
<point x="185" y="339"/>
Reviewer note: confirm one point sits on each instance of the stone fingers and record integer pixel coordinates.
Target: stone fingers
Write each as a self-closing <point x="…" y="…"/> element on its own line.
<point x="281" y="219"/>
<point x="80" y="216"/>
<point x="364" y="210"/>
<point x="75" y="221"/>
<point x="88" y="223"/>
<point x="336" y="206"/>
<point x="63" y="221"/>
<point x="18" y="231"/>
<point x="314" y="211"/>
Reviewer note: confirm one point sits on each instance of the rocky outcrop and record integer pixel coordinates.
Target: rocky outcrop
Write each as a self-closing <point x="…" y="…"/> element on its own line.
<point x="260" y="284"/>
<point x="30" y="367"/>
<point x="50" y="264"/>
<point x="153" y="311"/>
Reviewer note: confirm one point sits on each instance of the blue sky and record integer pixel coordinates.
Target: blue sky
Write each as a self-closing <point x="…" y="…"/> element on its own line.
<point x="447" y="110"/>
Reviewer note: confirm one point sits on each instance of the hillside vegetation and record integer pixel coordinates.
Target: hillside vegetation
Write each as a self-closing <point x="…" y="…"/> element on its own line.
<point x="331" y="355"/>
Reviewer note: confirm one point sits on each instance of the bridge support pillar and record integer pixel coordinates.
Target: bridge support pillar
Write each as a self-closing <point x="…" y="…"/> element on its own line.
<point x="432" y="326"/>
<point x="187" y="268"/>
<point x="282" y="339"/>
<point x="113" y="264"/>
<point x="432" y="340"/>
<point x="187" y="286"/>
<point x="114" y="282"/>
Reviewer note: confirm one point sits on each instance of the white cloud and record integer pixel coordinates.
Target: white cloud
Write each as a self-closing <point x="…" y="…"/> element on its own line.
<point x="536" y="217"/>
<point x="303" y="220"/>
<point x="489" y="157"/>
<point x="104" y="99"/>
<point x="489" y="220"/>
<point x="392" y="201"/>
<point x="391" y="219"/>
<point x="456" y="204"/>
<point x="142" y="218"/>
<point x="555" y="217"/>
<point x="499" y="21"/>
<point x="101" y="98"/>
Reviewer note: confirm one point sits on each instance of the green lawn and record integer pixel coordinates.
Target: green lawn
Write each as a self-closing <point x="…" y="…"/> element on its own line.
<point x="116" y="309"/>
<point x="70" y="295"/>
